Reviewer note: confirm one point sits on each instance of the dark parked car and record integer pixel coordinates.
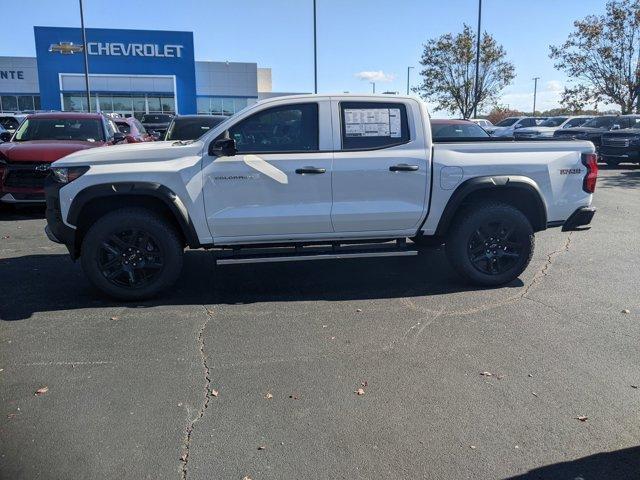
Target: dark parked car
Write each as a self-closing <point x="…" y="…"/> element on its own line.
<point x="620" y="146"/>
<point x="192" y="127"/>
<point x="156" y="122"/>
<point x="594" y="128"/>
<point x="456" y="130"/>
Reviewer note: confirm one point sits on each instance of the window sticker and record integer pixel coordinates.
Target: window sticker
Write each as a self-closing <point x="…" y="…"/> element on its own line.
<point x="372" y="122"/>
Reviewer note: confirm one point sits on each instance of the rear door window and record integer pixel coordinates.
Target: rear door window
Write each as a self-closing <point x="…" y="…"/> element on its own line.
<point x="373" y="125"/>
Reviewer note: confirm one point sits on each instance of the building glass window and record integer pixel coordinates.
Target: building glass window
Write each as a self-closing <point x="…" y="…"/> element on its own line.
<point x="222" y="105"/>
<point x="36" y="102"/>
<point x="168" y="105"/>
<point x="9" y="103"/>
<point x="25" y="102"/>
<point x="122" y="104"/>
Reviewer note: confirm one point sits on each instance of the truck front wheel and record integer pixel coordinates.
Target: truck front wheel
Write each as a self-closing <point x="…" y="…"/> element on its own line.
<point x="131" y="254"/>
<point x="490" y="244"/>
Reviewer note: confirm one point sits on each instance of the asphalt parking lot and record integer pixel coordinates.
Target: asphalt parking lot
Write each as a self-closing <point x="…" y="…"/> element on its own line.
<point x="252" y="371"/>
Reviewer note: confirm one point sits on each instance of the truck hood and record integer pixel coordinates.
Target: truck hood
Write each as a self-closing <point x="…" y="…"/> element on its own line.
<point x="43" y="150"/>
<point x="133" y="153"/>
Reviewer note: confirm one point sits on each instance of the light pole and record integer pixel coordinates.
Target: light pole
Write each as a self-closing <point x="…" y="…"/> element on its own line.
<point x="315" y="51"/>
<point x="373" y="85"/>
<point x="86" y="57"/>
<point x="535" y="93"/>
<point x="408" y="72"/>
<point x="476" y="83"/>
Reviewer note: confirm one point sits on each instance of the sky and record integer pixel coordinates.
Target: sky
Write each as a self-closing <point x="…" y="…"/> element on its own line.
<point x="357" y="39"/>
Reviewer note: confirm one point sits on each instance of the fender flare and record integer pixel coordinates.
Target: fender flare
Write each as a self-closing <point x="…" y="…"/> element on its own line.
<point x="149" y="189"/>
<point x="493" y="183"/>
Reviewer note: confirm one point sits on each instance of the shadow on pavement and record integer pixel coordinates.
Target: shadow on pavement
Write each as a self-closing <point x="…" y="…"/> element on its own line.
<point x="625" y="178"/>
<point x="44" y="283"/>
<point x="617" y="465"/>
<point x="19" y="212"/>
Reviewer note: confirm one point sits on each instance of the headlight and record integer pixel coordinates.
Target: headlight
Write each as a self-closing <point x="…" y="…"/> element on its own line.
<point x="67" y="174"/>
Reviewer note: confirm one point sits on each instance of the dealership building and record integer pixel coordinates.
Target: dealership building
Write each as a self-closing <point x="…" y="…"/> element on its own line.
<point x="131" y="72"/>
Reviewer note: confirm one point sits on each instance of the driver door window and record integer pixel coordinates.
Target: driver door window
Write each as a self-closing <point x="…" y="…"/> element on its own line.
<point x="289" y="128"/>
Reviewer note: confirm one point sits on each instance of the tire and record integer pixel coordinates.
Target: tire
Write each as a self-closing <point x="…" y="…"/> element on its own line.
<point x="132" y="254"/>
<point x="490" y="244"/>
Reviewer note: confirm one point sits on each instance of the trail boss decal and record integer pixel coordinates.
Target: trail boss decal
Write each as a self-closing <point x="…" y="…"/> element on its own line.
<point x="570" y="171"/>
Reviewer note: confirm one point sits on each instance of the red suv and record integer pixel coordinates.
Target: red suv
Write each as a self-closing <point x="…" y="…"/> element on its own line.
<point x="41" y="139"/>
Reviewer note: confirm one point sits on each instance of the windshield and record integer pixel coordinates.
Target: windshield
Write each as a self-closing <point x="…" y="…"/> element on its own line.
<point x="124" y="127"/>
<point x="88" y="130"/>
<point x="553" y="122"/>
<point x="156" y="118"/>
<point x="9" y="123"/>
<point x="191" y="128"/>
<point x="457" y="130"/>
<point x="600" y="122"/>
<point x="507" y="122"/>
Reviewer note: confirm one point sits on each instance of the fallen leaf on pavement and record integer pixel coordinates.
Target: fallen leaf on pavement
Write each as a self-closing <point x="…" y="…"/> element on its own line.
<point x="294" y="396"/>
<point x="214" y="392"/>
<point x="486" y="374"/>
<point x="246" y="477"/>
<point x="268" y="396"/>
<point x="115" y="318"/>
<point x="582" y="418"/>
<point x="530" y="376"/>
<point x="41" y="391"/>
<point x="365" y="384"/>
<point x="626" y="311"/>
<point x="534" y="394"/>
<point x="183" y="457"/>
<point x="359" y="391"/>
<point x="472" y="447"/>
<point x="358" y="310"/>
<point x="632" y="386"/>
<point x="262" y="447"/>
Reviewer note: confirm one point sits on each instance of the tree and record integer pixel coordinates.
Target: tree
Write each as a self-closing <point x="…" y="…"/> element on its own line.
<point x="499" y="113"/>
<point x="601" y="57"/>
<point x="448" y="76"/>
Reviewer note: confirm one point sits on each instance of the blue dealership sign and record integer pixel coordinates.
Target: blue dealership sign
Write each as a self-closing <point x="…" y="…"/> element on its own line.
<point x="115" y="52"/>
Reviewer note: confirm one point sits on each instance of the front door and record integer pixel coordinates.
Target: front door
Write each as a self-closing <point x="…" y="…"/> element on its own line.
<point x="380" y="169"/>
<point x="278" y="185"/>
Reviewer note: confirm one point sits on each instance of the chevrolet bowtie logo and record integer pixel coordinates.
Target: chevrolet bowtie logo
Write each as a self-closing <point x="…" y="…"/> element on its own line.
<point x="65" y="48"/>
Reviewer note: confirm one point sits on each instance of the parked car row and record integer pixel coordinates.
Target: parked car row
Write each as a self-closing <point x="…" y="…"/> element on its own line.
<point x="30" y="143"/>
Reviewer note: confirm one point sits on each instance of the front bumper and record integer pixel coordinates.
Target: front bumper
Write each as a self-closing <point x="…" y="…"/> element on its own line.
<point x="56" y="229"/>
<point x="580" y="218"/>
<point x="620" y="153"/>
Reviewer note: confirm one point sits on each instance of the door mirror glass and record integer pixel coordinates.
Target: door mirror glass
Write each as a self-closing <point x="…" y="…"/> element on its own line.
<point x="223" y="147"/>
<point x="5" y="137"/>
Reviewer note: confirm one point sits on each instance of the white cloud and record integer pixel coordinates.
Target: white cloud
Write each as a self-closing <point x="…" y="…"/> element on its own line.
<point x="374" y="76"/>
<point x="555" y="86"/>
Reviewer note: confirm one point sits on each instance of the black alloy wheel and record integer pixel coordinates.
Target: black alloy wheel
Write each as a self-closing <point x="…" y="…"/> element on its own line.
<point x="495" y="247"/>
<point x="131" y="258"/>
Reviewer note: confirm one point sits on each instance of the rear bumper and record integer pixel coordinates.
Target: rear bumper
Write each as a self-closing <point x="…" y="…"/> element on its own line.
<point x="580" y="218"/>
<point x="56" y="230"/>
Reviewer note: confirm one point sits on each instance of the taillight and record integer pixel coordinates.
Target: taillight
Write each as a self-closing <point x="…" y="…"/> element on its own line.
<point x="590" y="160"/>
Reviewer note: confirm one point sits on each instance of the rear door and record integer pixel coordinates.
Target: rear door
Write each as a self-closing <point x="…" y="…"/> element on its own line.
<point x="278" y="185"/>
<point x="380" y="167"/>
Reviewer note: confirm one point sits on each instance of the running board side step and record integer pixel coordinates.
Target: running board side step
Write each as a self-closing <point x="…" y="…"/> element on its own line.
<point x="301" y="253"/>
<point x="321" y="256"/>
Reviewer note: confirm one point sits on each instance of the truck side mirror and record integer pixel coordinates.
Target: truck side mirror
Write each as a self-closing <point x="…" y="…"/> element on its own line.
<point x="119" y="137"/>
<point x="223" y="147"/>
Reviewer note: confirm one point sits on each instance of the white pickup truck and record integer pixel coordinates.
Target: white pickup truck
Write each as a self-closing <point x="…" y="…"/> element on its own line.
<point x="315" y="177"/>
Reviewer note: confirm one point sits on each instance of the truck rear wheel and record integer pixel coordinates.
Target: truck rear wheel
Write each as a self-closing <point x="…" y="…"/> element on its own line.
<point x="490" y="244"/>
<point x="131" y="254"/>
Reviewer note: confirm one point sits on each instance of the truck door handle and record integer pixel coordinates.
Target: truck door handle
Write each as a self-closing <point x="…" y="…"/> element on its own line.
<point x="303" y="170"/>
<point x="403" y="167"/>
